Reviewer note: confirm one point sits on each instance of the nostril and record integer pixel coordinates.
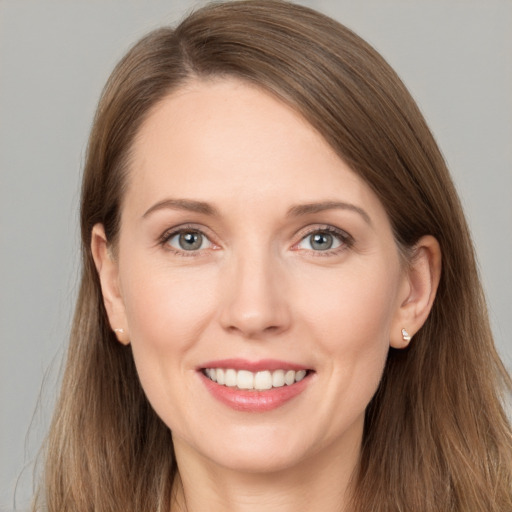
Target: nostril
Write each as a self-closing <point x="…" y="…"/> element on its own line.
<point x="254" y="330"/>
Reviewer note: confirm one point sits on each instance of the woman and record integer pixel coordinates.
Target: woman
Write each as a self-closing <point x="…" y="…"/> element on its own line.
<point x="279" y="304"/>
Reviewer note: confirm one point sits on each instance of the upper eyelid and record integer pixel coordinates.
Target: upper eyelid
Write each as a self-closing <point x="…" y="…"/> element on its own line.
<point x="169" y="233"/>
<point x="304" y="232"/>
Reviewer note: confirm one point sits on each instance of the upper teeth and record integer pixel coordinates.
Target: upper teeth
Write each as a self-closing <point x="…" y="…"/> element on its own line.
<point x="259" y="381"/>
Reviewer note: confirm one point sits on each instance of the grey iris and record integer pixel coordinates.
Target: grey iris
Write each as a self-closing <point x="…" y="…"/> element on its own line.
<point x="321" y="241"/>
<point x="190" y="241"/>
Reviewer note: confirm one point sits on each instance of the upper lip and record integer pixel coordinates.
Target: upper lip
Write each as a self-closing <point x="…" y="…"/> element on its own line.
<point x="253" y="366"/>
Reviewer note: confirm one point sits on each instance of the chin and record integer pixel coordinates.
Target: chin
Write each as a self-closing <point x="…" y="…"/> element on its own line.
<point x="259" y="462"/>
<point x="263" y="449"/>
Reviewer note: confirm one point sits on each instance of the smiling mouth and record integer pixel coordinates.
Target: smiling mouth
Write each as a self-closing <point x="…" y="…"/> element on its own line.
<point x="254" y="381"/>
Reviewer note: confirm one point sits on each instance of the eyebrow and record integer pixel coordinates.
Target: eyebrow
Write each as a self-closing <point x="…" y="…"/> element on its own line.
<point x="182" y="204"/>
<point x="295" y="211"/>
<point x="309" y="208"/>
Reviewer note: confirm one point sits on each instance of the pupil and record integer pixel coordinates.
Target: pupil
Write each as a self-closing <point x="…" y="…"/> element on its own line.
<point x="190" y="241"/>
<point x="322" y="241"/>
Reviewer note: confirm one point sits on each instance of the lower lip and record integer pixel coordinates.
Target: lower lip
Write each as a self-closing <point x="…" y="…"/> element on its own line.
<point x="254" y="401"/>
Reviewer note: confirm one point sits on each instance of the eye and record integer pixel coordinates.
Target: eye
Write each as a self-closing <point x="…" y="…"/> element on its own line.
<point x="188" y="240"/>
<point x="323" y="240"/>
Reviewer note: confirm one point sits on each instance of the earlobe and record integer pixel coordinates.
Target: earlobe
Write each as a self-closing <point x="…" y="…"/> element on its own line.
<point x="422" y="280"/>
<point x="107" y="269"/>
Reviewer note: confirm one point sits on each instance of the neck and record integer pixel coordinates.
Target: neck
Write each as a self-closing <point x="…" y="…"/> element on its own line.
<point x="318" y="483"/>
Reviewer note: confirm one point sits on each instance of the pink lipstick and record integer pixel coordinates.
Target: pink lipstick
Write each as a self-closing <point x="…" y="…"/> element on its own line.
<point x="254" y="386"/>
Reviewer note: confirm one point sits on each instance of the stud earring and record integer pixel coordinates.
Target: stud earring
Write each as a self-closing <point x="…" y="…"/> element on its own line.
<point x="406" y="336"/>
<point x="119" y="331"/>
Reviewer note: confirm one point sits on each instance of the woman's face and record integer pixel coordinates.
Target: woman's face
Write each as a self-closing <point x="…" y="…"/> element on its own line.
<point x="249" y="253"/>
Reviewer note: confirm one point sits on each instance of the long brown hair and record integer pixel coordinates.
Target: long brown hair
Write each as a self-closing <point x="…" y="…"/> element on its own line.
<point x="436" y="437"/>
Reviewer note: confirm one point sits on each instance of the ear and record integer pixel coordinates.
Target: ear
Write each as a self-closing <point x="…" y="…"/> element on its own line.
<point x="108" y="272"/>
<point x="418" y="291"/>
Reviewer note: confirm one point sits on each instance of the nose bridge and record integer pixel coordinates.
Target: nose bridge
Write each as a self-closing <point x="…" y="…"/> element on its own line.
<point x="253" y="296"/>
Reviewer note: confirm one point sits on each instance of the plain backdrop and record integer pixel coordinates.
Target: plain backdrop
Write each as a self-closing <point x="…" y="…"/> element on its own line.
<point x="455" y="57"/>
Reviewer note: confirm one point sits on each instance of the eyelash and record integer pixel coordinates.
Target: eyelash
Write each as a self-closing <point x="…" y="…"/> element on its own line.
<point x="346" y="240"/>
<point x="170" y="234"/>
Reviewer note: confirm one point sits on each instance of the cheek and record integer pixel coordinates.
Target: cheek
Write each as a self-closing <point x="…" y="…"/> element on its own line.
<point x="166" y="311"/>
<point x="357" y="302"/>
<point x="165" y="306"/>
<point x="350" y="319"/>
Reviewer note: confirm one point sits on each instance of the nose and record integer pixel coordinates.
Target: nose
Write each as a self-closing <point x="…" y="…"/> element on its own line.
<point x="253" y="302"/>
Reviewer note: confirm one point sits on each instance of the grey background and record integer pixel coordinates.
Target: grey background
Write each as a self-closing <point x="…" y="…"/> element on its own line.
<point x="455" y="56"/>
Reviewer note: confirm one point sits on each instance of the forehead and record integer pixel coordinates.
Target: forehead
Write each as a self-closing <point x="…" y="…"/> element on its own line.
<point x="227" y="141"/>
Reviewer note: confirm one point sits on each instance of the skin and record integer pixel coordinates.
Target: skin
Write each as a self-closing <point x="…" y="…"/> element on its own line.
<point x="257" y="289"/>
